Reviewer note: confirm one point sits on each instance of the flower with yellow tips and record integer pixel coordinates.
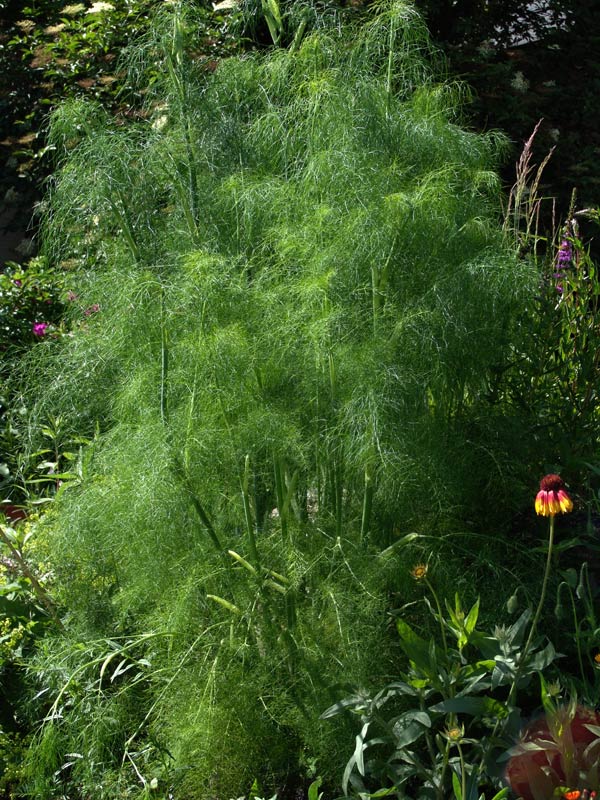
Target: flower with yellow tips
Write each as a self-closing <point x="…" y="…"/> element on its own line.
<point x="552" y="498"/>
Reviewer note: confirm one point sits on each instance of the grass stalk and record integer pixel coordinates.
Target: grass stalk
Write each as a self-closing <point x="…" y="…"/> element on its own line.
<point x="175" y="59"/>
<point x="164" y="359"/>
<point x="365" y="524"/>
<point x="279" y="494"/>
<point x="250" y="530"/>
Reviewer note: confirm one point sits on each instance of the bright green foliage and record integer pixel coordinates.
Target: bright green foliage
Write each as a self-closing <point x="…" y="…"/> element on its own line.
<point x="302" y="295"/>
<point x="446" y="717"/>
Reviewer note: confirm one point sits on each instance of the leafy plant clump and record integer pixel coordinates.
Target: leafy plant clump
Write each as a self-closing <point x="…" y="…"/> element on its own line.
<point x="302" y="294"/>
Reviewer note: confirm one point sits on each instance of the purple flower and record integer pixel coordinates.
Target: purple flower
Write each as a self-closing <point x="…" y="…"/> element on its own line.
<point x="18" y="283"/>
<point x="92" y="310"/>
<point x="564" y="259"/>
<point x="40" y="328"/>
<point x="565" y="254"/>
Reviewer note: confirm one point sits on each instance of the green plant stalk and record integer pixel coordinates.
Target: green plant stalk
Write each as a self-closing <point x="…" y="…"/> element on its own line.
<point x="244" y="483"/>
<point x="336" y="466"/>
<point x="439" y="611"/>
<point x="367" y="504"/>
<point x="376" y="295"/>
<point x="279" y="494"/>
<point x="317" y="437"/>
<point x="176" y="55"/>
<point x="536" y="617"/>
<point x="577" y="629"/>
<point x="289" y="485"/>
<point x="164" y="359"/>
<point x="440" y="787"/>
<point x="181" y="473"/>
<point x="120" y="211"/>
<point x="192" y="181"/>
<point x="190" y="417"/>
<point x="339" y="496"/>
<point x="589" y="604"/>
<point x="463" y="774"/>
<point x="390" y="64"/>
<point x="199" y="508"/>
<point x="183" y="195"/>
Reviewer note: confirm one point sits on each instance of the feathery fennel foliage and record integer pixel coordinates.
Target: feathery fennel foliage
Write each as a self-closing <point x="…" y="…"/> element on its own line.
<point x="304" y="298"/>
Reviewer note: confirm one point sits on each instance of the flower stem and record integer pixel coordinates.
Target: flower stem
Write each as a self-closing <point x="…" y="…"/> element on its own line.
<point x="538" y="611"/>
<point x="463" y="774"/>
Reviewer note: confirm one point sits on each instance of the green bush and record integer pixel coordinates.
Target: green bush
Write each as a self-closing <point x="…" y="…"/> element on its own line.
<point x="302" y="297"/>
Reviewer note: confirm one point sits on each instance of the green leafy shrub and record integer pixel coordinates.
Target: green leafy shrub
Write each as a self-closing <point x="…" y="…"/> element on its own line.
<point x="450" y="719"/>
<point x="29" y="296"/>
<point x="302" y="295"/>
<point x="26" y="611"/>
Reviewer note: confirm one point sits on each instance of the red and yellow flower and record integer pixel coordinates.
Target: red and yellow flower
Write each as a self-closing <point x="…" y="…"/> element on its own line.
<point x="552" y="498"/>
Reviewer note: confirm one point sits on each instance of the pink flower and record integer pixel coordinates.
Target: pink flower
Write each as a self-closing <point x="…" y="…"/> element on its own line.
<point x="552" y="498"/>
<point x="92" y="310"/>
<point x="40" y="328"/>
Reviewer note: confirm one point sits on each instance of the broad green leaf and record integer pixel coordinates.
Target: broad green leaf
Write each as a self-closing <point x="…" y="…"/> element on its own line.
<point x="472" y="617"/>
<point x="455" y="614"/>
<point x="360" y="748"/>
<point x="593" y="729"/>
<point x="384" y="792"/>
<point x="501" y="794"/>
<point x="543" y="659"/>
<point x="538" y="746"/>
<point x="313" y="789"/>
<point x="547" y="701"/>
<point x="124" y="666"/>
<point x="347" y="772"/>
<point x="570" y="577"/>
<point x="517" y="629"/>
<point x="475" y="706"/>
<point x="407" y="539"/>
<point x="416" y="648"/>
<point x="347" y="703"/>
<point x="478" y="669"/>
<point x="502" y="673"/>
<point x="456" y="786"/>
<point x="410" y="727"/>
<point x="8" y="588"/>
<point x="399" y="688"/>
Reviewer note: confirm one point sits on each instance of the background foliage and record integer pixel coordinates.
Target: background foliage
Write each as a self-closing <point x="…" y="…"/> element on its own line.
<point x="302" y="295"/>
